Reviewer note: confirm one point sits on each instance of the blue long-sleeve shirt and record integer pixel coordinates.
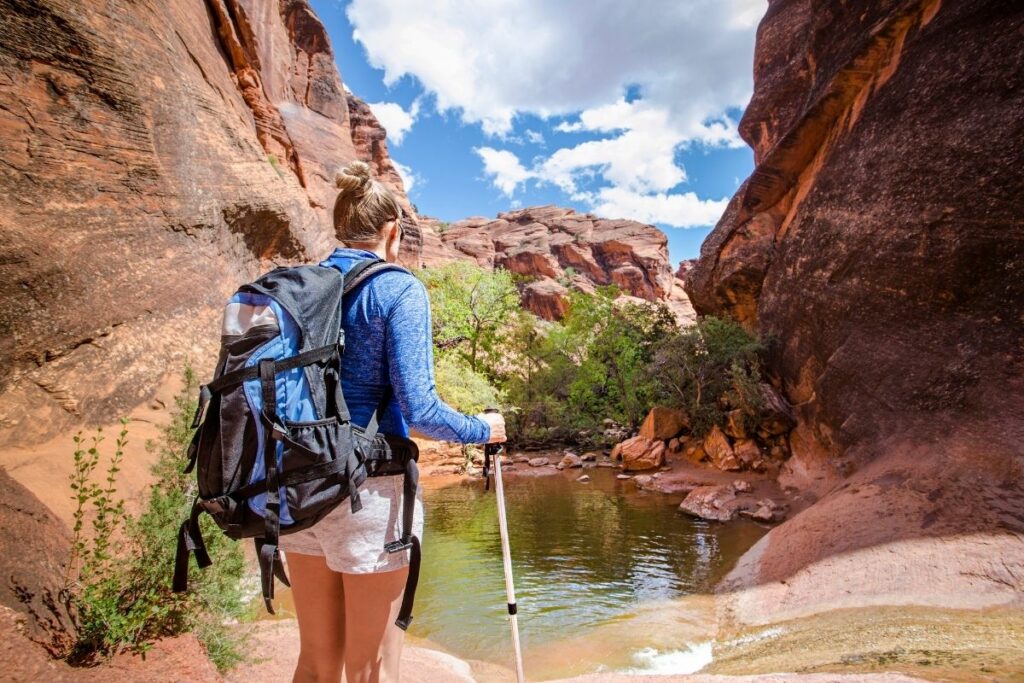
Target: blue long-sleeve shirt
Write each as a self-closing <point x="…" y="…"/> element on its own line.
<point x="389" y="342"/>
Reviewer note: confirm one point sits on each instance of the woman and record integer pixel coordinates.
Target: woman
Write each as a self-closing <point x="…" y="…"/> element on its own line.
<point x="347" y="589"/>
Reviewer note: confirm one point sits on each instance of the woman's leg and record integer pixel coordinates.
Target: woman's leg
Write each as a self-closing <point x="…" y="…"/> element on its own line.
<point x="320" y="607"/>
<point x="373" y="647"/>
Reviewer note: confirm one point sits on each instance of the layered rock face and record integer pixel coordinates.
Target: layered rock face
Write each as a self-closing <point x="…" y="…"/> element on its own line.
<point x="879" y="244"/>
<point x="154" y="156"/>
<point x="558" y="250"/>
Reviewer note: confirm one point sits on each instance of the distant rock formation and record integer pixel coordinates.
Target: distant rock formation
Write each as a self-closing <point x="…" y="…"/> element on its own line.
<point x="154" y="155"/>
<point x="558" y="249"/>
<point x="879" y="245"/>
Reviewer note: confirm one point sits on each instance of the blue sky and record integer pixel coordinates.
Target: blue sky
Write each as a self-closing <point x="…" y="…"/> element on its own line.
<point x="491" y="104"/>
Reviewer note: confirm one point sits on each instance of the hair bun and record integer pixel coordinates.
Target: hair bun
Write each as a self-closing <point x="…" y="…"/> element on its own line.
<point x="354" y="178"/>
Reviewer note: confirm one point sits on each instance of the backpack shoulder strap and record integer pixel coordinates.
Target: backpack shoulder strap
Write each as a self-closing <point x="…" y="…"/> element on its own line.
<point x="364" y="270"/>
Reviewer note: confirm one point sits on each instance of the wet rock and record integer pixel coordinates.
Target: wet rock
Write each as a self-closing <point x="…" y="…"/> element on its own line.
<point x="742" y="486"/>
<point x="640" y="453"/>
<point x="583" y="478"/>
<point x="538" y="462"/>
<point x="720" y="451"/>
<point x="663" y="423"/>
<point x="570" y="460"/>
<point x="642" y="480"/>
<point x="590" y="456"/>
<point x="606" y="463"/>
<point x="623" y="476"/>
<point x="714" y="503"/>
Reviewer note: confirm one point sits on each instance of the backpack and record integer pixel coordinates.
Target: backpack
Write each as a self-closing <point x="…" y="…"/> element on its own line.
<point x="274" y="448"/>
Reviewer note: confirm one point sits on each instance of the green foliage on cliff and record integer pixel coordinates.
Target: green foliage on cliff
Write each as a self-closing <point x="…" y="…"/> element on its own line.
<point x="122" y="587"/>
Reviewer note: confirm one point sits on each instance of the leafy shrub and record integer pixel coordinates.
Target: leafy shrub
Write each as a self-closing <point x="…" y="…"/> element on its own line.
<point x="470" y="307"/>
<point x="124" y="597"/>
<point x="709" y="369"/>
<point x="461" y="387"/>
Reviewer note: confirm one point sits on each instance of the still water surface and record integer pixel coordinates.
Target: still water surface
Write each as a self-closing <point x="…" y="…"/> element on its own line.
<point x="585" y="556"/>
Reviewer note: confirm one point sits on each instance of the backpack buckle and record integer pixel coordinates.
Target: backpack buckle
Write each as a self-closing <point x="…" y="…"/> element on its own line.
<point x="397" y="546"/>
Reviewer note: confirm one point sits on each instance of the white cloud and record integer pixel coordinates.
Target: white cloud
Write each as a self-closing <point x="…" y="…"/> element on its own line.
<point x="686" y="63"/>
<point x="536" y="137"/>
<point x="410" y="179"/>
<point x="503" y="168"/>
<point x="395" y="119"/>
<point x="492" y="59"/>
<point x="684" y="210"/>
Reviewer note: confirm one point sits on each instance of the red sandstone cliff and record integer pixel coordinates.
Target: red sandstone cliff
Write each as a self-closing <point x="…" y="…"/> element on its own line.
<point x="558" y="249"/>
<point x="879" y="243"/>
<point x="152" y="156"/>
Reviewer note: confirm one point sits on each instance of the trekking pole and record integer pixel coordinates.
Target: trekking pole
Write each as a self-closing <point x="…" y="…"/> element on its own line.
<point x="494" y="450"/>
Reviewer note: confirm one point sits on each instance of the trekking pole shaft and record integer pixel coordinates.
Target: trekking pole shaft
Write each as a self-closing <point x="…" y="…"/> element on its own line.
<point x="506" y="555"/>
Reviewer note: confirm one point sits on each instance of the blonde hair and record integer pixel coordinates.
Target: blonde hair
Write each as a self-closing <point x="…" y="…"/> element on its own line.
<point x="363" y="205"/>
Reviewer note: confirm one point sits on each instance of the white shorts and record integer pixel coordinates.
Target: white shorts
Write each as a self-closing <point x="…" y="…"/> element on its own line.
<point x="354" y="543"/>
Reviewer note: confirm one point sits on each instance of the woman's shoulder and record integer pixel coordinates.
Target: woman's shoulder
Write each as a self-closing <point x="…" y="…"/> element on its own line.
<point x="395" y="283"/>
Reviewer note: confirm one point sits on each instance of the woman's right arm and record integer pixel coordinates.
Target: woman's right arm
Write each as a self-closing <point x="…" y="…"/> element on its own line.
<point x="408" y="343"/>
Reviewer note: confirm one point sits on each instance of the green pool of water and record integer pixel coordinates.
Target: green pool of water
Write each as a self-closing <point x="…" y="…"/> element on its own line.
<point x="584" y="555"/>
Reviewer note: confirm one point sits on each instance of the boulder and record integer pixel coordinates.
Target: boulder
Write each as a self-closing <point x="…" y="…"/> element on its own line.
<point x="714" y="503"/>
<point x="570" y="460"/>
<point x="539" y="462"/>
<point x="640" y="453"/>
<point x="643" y="480"/>
<point x="694" y="452"/>
<point x="34" y="551"/>
<point x="747" y="452"/>
<point x="663" y="423"/>
<point x="734" y="425"/>
<point x="720" y="451"/>
<point x="590" y="456"/>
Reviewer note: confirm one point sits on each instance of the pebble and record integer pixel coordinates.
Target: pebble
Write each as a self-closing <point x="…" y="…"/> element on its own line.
<point x="623" y="476"/>
<point x="584" y="479"/>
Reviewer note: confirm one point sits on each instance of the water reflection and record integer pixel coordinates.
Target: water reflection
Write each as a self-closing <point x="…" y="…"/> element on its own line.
<point x="584" y="555"/>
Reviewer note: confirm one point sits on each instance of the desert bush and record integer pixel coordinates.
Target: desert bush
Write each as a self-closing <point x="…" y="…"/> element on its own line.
<point x="122" y="569"/>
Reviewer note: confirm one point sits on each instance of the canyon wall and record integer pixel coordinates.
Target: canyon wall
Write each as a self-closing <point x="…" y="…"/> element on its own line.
<point x="879" y="247"/>
<point x="152" y="156"/>
<point x="556" y="250"/>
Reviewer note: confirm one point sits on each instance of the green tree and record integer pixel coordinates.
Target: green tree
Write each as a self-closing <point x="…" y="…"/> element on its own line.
<point x="470" y="306"/>
<point x="708" y="368"/>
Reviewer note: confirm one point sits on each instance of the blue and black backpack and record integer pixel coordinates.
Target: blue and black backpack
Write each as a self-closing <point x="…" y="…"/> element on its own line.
<point x="275" y="449"/>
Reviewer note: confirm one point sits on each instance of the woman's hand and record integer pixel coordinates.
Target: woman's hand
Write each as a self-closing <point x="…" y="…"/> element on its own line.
<point x="497" y="424"/>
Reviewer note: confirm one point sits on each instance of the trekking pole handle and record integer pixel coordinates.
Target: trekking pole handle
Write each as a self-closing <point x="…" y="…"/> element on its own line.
<point x="490" y="450"/>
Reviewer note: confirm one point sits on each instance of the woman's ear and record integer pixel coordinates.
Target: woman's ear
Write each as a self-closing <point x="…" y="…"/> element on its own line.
<point x="394" y="241"/>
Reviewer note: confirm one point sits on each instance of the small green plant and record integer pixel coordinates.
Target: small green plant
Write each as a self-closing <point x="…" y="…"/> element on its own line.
<point x="121" y="570"/>
<point x="275" y="164"/>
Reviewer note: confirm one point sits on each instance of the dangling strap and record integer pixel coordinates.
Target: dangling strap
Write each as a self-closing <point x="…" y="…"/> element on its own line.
<point x="408" y="541"/>
<point x="190" y="540"/>
<point x="269" y="555"/>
